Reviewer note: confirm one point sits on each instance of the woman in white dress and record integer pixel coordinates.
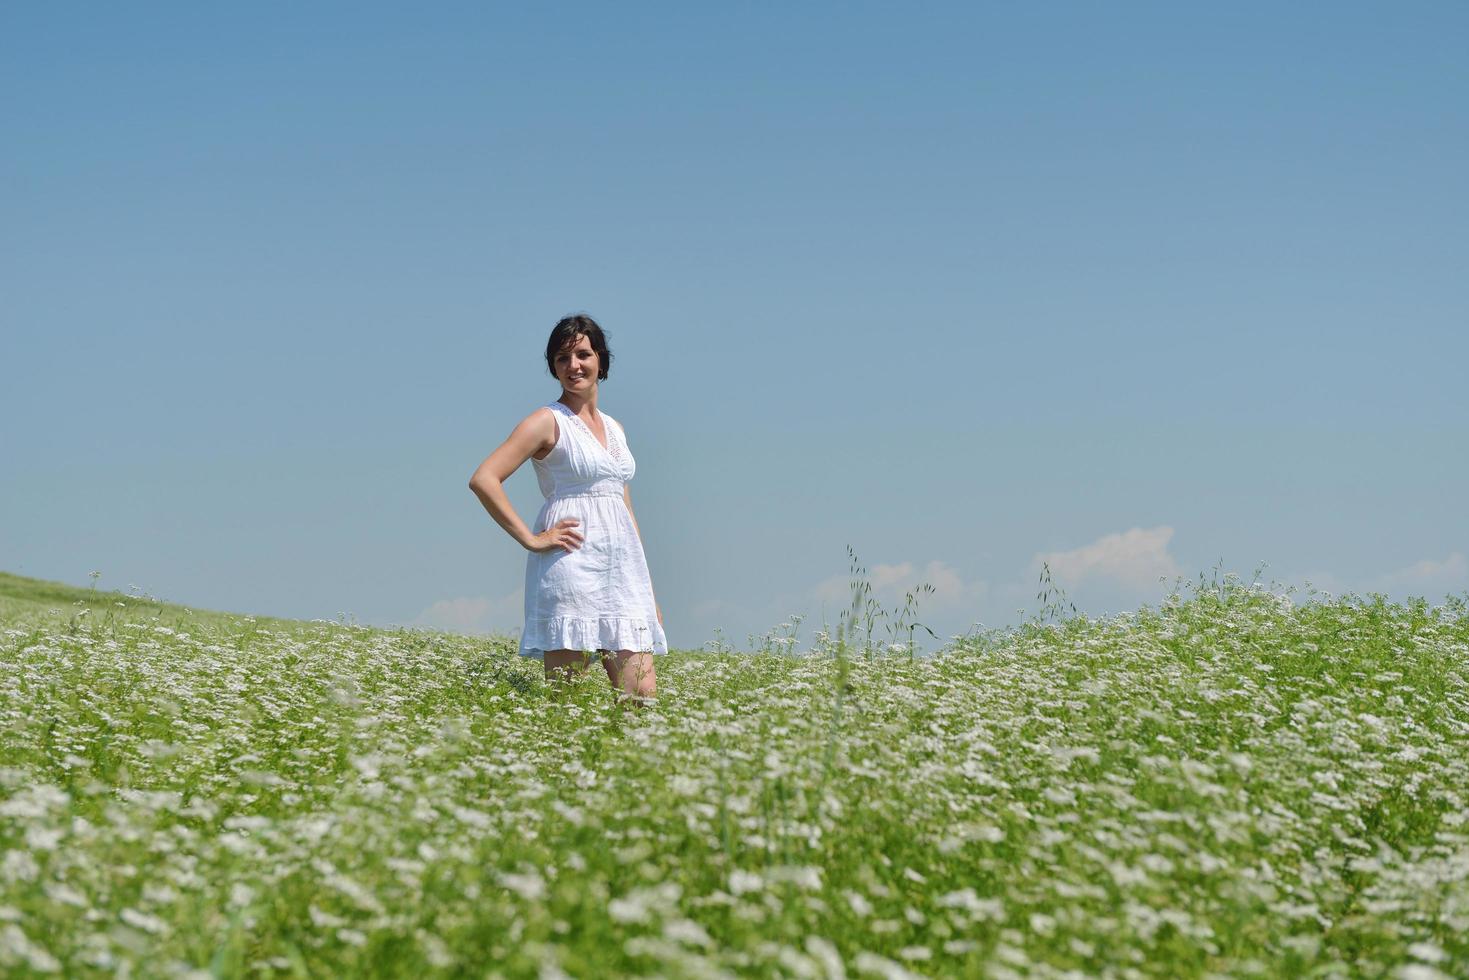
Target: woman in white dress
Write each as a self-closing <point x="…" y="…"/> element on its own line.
<point x="587" y="587"/>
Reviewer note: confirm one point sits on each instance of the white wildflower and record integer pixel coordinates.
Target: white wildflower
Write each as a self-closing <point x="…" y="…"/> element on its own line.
<point x="868" y="962"/>
<point x="15" y="945"/>
<point x="1427" y="952"/>
<point x="41" y="838"/>
<point x="629" y="908"/>
<point x="324" y="920"/>
<point x="19" y="866"/>
<point x="804" y="876"/>
<point x="687" y="931"/>
<point x="151" y="924"/>
<point x="1418" y="971"/>
<point x="742" y="881"/>
<point x="824" y="952"/>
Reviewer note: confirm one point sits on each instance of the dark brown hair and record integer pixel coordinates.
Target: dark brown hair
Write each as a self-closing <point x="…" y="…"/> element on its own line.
<point x="564" y="335"/>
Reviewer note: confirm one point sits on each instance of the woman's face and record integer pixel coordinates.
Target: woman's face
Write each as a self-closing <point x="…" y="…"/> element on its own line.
<point x="576" y="365"/>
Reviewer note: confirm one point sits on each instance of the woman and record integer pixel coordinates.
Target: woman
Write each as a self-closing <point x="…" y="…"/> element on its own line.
<point x="586" y="578"/>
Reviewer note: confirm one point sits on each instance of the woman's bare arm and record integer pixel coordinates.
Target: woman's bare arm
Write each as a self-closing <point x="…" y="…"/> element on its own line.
<point x="535" y="433"/>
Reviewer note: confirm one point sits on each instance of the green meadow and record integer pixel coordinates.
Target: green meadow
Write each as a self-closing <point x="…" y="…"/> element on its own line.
<point x="1239" y="782"/>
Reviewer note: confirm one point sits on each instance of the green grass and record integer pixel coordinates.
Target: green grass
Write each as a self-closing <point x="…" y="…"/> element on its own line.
<point x="33" y="600"/>
<point x="1232" y="784"/>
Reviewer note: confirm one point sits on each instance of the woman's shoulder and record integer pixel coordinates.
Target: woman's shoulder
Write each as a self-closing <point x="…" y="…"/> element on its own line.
<point x="541" y="422"/>
<point x="539" y="417"/>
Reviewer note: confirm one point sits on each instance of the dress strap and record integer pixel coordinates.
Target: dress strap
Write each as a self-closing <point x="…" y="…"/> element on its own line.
<point x="552" y="406"/>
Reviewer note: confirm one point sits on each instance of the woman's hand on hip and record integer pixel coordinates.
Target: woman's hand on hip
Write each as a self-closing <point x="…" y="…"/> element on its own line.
<point x="560" y="535"/>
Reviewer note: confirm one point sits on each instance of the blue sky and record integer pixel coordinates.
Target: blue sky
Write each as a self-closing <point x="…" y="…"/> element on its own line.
<point x="1136" y="290"/>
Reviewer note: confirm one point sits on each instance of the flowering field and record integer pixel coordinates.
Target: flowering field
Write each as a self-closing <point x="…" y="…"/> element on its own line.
<point x="1234" y="784"/>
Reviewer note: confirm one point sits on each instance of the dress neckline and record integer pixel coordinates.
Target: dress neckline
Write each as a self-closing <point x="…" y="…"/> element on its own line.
<point x="566" y="410"/>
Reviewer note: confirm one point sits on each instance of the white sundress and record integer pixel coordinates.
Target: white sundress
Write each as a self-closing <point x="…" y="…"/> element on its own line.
<point x="598" y="596"/>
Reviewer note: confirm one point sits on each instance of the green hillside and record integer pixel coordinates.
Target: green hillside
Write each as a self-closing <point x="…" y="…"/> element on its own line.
<point x="37" y="601"/>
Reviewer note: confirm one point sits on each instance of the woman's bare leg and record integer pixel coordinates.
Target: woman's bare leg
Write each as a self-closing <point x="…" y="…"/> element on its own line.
<point x="565" y="665"/>
<point x="632" y="674"/>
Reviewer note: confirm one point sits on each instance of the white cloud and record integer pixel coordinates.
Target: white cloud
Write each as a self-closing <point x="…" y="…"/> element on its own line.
<point x="476" y="614"/>
<point x="892" y="583"/>
<point x="1136" y="558"/>
<point x="1449" y="572"/>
